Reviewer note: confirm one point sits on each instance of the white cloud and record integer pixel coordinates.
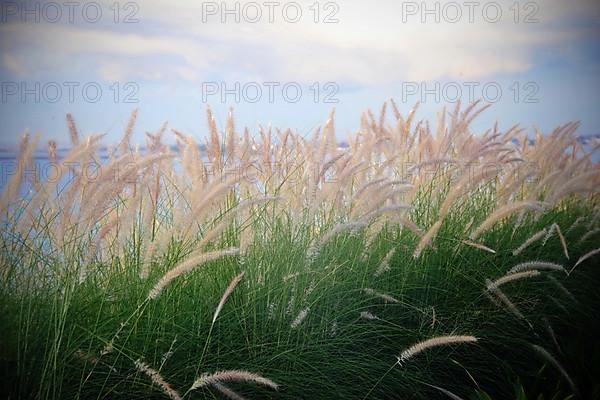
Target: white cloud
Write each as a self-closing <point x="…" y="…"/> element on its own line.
<point x="370" y="44"/>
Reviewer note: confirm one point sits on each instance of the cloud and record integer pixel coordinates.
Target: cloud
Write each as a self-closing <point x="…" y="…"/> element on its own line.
<point x="370" y="44"/>
<point x="69" y="50"/>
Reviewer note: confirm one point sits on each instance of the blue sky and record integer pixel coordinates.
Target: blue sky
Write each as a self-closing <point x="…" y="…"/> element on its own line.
<point x="376" y="51"/>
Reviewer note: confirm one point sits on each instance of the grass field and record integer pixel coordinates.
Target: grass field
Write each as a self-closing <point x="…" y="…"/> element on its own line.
<point x="420" y="262"/>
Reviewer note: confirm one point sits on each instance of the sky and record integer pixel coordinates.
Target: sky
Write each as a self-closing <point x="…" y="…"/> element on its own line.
<point x="288" y="64"/>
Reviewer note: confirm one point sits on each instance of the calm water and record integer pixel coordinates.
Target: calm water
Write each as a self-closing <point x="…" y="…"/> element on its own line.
<point x="43" y="169"/>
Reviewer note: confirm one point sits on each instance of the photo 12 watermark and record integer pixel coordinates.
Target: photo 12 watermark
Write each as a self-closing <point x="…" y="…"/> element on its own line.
<point x="452" y="92"/>
<point x="270" y="11"/>
<point x="452" y="12"/>
<point x="455" y="171"/>
<point x="293" y="172"/>
<point x="59" y="172"/>
<point x="71" y="12"/>
<point x="71" y="92"/>
<point x="254" y="92"/>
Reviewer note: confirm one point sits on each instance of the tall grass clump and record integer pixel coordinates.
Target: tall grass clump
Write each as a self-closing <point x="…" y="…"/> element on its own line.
<point x="273" y="265"/>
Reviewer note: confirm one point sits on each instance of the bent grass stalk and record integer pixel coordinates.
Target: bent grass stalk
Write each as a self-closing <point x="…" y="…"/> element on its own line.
<point x="534" y="238"/>
<point x="446" y="392"/>
<point x="426" y="240"/>
<point x="548" y="357"/>
<point x="315" y="249"/>
<point x="232" y="376"/>
<point x="511" y="307"/>
<point x="536" y="265"/>
<point x="227" y="392"/>
<point x="478" y="246"/>
<point x="188" y="265"/>
<point x="385" y="297"/>
<point x="585" y="257"/>
<point x="158" y="380"/>
<point x="384" y="266"/>
<point x="511" y="278"/>
<point x="502" y="213"/>
<point x="433" y="342"/>
<point x="563" y="242"/>
<point x="232" y="285"/>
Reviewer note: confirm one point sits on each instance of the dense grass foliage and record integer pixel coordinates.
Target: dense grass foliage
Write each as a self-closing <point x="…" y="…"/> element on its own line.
<point x="340" y="280"/>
